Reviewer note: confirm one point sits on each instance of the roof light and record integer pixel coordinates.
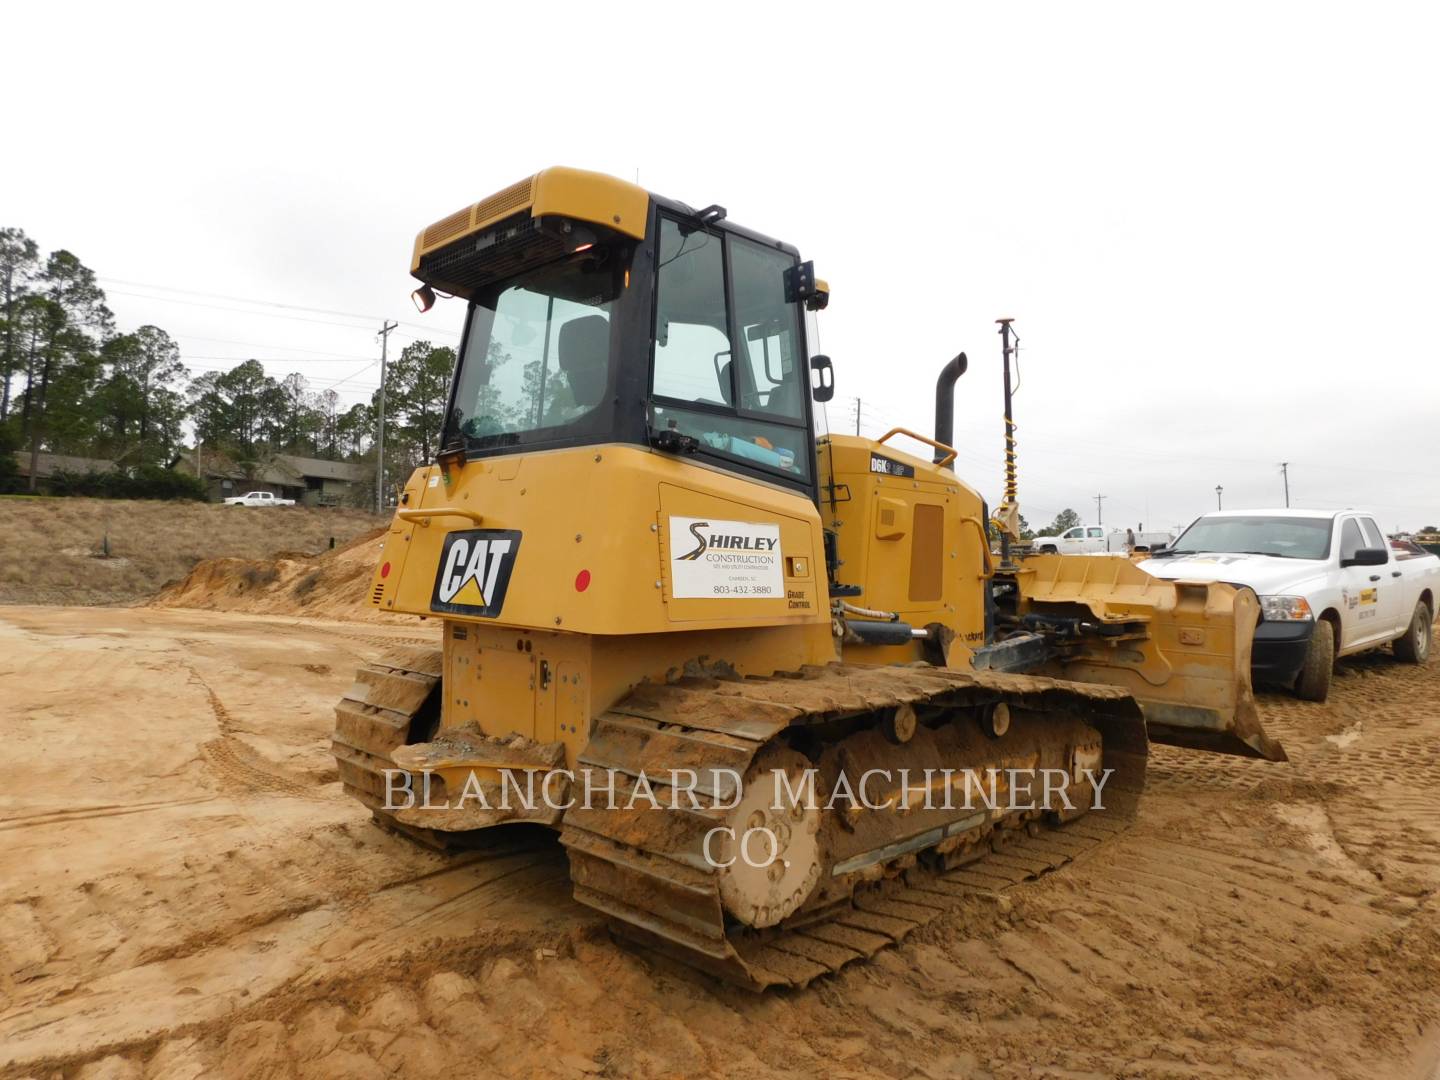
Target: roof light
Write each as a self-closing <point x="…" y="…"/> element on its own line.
<point x="582" y="247"/>
<point x="424" y="298"/>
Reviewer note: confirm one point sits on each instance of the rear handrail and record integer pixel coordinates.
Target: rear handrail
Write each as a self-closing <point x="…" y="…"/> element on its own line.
<point x="949" y="451"/>
<point x="988" y="566"/>
<point x="422" y="517"/>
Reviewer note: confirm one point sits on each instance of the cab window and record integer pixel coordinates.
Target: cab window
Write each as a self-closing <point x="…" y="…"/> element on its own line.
<point x="1094" y="533"/>
<point x="1074" y="534"/>
<point x="730" y="380"/>
<point x="769" y="380"/>
<point x="692" y="337"/>
<point x="1351" y="540"/>
<point x="537" y="363"/>
<point x="1373" y="536"/>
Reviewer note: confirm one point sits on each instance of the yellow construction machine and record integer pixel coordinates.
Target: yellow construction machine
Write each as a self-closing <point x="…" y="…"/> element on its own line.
<point x="664" y="599"/>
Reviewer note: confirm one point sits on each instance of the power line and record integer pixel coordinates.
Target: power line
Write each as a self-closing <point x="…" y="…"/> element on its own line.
<point x="277" y="359"/>
<point x="236" y="311"/>
<point x="263" y="303"/>
<point x="347" y="378"/>
<point x="274" y="314"/>
<point x="267" y="345"/>
<point x="238" y="299"/>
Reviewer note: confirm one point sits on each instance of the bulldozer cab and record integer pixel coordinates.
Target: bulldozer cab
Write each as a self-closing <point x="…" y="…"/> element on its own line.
<point x="583" y="332"/>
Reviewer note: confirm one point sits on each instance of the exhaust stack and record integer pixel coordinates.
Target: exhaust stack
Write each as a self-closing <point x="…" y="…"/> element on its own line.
<point x="945" y="403"/>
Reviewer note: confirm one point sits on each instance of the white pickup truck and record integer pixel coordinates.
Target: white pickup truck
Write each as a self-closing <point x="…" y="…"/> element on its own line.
<point x="1092" y="539"/>
<point x="259" y="498"/>
<point x="1329" y="585"/>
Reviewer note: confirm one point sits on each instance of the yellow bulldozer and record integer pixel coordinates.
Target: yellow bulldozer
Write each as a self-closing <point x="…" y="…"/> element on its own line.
<point x="665" y="600"/>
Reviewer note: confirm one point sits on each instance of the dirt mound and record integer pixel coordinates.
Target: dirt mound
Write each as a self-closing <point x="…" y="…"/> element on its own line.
<point x="332" y="585"/>
<point x="120" y="551"/>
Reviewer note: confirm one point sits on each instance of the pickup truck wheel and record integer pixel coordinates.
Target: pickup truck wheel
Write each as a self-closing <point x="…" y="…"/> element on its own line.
<point x="1414" y="646"/>
<point x="1313" y="682"/>
<point x="1048" y="550"/>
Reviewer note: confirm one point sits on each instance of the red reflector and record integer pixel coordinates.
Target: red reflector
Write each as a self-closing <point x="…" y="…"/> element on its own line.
<point x="385" y="570"/>
<point x="582" y="581"/>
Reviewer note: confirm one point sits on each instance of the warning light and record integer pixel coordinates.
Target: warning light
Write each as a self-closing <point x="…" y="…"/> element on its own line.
<point x="582" y="581"/>
<point x="583" y="247"/>
<point x="385" y="570"/>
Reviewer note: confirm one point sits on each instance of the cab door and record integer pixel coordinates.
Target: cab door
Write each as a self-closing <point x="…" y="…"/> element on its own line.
<point x="1360" y="590"/>
<point x="1073" y="541"/>
<point x="1393" y="617"/>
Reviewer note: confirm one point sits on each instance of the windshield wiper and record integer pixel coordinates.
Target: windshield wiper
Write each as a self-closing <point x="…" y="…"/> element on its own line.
<point x="1171" y="551"/>
<point x="1272" y="554"/>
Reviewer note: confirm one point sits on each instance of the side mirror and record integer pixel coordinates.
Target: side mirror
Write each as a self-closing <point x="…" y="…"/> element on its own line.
<point x="1367" y="557"/>
<point x="822" y="382"/>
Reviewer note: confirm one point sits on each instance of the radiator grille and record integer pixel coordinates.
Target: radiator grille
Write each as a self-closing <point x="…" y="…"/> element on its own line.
<point x="503" y="202"/>
<point x="376" y="596"/>
<point x="456" y="223"/>
<point x="502" y="249"/>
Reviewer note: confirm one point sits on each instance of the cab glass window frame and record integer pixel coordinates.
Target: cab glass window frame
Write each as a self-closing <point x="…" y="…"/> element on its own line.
<point x="732" y="423"/>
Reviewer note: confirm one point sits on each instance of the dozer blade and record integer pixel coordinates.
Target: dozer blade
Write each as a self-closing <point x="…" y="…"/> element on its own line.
<point x="1182" y="648"/>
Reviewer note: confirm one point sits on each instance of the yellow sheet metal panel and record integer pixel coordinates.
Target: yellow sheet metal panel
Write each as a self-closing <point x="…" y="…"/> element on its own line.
<point x="595" y="564"/>
<point x="903" y="535"/>
<point x="591" y="196"/>
<point x="385" y="579"/>
<point x="572" y="193"/>
<point x="927" y="553"/>
<point x="783" y="587"/>
<point x="548" y="685"/>
<point x="490" y="682"/>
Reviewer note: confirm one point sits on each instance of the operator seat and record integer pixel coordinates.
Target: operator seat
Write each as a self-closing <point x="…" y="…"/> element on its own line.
<point x="584" y="357"/>
<point x="727" y="388"/>
<point x="785" y="400"/>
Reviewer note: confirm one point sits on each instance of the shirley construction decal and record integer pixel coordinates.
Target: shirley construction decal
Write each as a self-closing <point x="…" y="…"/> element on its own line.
<point x="710" y="558"/>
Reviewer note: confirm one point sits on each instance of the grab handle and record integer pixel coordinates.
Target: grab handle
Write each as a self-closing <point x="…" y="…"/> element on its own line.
<point x="422" y="517"/>
<point x="948" y="451"/>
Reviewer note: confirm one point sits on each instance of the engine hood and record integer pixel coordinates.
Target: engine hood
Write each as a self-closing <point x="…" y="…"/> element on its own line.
<point x="1266" y="574"/>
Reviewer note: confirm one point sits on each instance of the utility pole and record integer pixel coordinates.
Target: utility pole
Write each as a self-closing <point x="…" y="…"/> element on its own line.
<point x="857" y="416"/>
<point x="1009" y="504"/>
<point x="1099" y="512"/>
<point x="380" y="428"/>
<point x="1218" y="491"/>
<point x="1285" y="472"/>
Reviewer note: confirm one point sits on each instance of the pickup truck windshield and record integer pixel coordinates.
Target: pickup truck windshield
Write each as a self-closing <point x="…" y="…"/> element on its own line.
<point x="1287" y="537"/>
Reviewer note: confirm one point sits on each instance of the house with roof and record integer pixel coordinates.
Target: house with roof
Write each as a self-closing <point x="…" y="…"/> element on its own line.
<point x="47" y="466"/>
<point x="309" y="481"/>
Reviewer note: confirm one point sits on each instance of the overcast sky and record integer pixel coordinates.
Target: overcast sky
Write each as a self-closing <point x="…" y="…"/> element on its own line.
<point x="1216" y="225"/>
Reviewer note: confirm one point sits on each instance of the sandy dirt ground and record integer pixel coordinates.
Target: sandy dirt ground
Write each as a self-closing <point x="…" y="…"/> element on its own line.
<point x="185" y="892"/>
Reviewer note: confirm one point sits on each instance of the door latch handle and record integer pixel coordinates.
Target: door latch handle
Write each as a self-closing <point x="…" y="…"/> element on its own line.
<point x="1374" y="577"/>
<point x="1394" y="573"/>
